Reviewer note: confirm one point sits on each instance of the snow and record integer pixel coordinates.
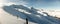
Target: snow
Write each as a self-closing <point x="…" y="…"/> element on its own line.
<point x="51" y="12"/>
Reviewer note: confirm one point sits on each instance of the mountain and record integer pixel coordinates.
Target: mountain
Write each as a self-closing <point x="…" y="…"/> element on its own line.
<point x="17" y="14"/>
<point x="54" y="13"/>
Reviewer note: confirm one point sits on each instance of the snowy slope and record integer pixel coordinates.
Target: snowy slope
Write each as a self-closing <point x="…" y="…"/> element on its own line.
<point x="16" y="14"/>
<point x="54" y="13"/>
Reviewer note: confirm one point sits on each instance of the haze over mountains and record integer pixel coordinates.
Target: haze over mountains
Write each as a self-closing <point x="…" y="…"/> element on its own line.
<point x="17" y="14"/>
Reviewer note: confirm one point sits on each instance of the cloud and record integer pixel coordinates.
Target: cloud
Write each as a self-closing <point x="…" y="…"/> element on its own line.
<point x="19" y="2"/>
<point x="10" y="2"/>
<point x="34" y="3"/>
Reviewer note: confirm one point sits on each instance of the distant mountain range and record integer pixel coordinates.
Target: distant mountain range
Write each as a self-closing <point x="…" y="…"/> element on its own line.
<point x="34" y="16"/>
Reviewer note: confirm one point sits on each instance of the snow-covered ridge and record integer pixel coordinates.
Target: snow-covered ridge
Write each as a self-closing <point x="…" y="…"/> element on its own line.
<point x="53" y="13"/>
<point x="17" y="14"/>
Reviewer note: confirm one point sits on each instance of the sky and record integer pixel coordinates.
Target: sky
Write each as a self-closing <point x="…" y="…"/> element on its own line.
<point x="45" y="4"/>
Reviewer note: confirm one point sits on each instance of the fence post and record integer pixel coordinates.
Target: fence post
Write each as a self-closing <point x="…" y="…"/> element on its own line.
<point x="26" y="21"/>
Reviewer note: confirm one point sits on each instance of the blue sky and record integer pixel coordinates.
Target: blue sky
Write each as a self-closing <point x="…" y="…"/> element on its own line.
<point x="46" y="4"/>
